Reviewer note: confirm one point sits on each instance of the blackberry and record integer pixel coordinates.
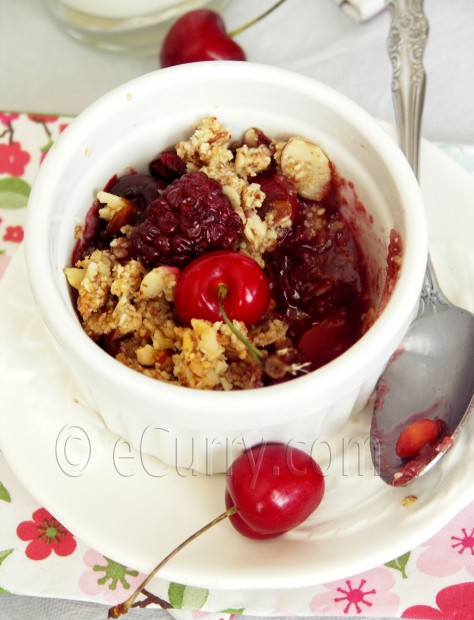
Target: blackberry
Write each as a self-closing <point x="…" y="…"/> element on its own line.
<point x="191" y="216"/>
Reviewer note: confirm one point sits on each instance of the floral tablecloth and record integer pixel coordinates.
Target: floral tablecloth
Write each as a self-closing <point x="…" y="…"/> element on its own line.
<point x="40" y="557"/>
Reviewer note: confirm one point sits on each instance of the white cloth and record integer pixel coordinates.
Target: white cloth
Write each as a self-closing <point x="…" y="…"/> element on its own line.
<point x="361" y="10"/>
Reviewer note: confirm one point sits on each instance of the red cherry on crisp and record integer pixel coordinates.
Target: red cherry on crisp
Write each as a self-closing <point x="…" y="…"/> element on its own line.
<point x="275" y="487"/>
<point x="248" y="290"/>
<point x="198" y="35"/>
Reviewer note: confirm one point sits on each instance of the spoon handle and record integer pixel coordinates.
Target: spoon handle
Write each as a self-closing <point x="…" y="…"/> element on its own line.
<point x="406" y="44"/>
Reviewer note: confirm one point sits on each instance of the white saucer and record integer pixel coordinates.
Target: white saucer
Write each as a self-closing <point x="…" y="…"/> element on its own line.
<point x="136" y="510"/>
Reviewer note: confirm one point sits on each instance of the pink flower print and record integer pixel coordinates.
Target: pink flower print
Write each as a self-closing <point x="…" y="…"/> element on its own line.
<point x="451" y="549"/>
<point x="454" y="603"/>
<point x="14" y="234"/>
<point x="46" y="535"/>
<point x="358" y="595"/>
<point x="113" y="580"/>
<point x="13" y="159"/>
<point x="464" y="542"/>
<point x="6" y="118"/>
<point x="42" y="118"/>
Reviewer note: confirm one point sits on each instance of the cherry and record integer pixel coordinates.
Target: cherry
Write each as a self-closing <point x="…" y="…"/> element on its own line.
<point x="198" y="35"/>
<point x="271" y="488"/>
<point x="242" y="284"/>
<point x="241" y="526"/>
<point x="201" y="35"/>
<point x="417" y="435"/>
<point x="275" y="487"/>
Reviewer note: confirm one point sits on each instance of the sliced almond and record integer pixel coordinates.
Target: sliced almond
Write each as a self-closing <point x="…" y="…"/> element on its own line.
<point x="307" y="166"/>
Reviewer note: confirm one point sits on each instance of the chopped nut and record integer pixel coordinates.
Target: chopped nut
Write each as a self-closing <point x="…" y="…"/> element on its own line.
<point x="207" y="339"/>
<point x="159" y="281"/>
<point x="126" y="317"/>
<point x="74" y="276"/>
<point x="210" y="139"/>
<point x="408" y="500"/>
<point x="126" y="279"/>
<point x="250" y="161"/>
<point x="254" y="137"/>
<point x="307" y="166"/>
<point x="233" y="195"/>
<point x="112" y="203"/>
<point x="95" y="285"/>
<point x="192" y="366"/>
<point x="146" y="355"/>
<point x="160" y="341"/>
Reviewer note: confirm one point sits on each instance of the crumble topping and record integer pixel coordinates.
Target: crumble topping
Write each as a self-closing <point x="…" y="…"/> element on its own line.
<point x="209" y="150"/>
<point x="134" y="307"/>
<point x="126" y="304"/>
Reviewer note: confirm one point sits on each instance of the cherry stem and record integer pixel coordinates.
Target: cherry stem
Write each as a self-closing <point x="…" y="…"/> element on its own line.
<point x="122" y="608"/>
<point x="254" y="353"/>
<point x="272" y="365"/>
<point x="237" y="31"/>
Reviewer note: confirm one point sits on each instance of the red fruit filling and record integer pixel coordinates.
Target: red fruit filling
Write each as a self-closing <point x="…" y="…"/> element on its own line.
<point x="167" y="166"/>
<point x="319" y="280"/>
<point x="280" y="195"/>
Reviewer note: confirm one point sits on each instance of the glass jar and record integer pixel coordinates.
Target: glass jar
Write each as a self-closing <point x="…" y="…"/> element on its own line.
<point x="134" y="27"/>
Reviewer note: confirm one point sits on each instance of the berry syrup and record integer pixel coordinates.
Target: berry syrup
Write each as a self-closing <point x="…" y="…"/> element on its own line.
<point x="319" y="279"/>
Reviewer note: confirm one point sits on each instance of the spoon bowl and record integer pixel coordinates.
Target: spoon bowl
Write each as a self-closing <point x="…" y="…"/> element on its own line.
<point x="431" y="375"/>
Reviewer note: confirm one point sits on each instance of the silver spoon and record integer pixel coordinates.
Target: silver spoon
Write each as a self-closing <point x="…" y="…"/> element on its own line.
<point x="431" y="376"/>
